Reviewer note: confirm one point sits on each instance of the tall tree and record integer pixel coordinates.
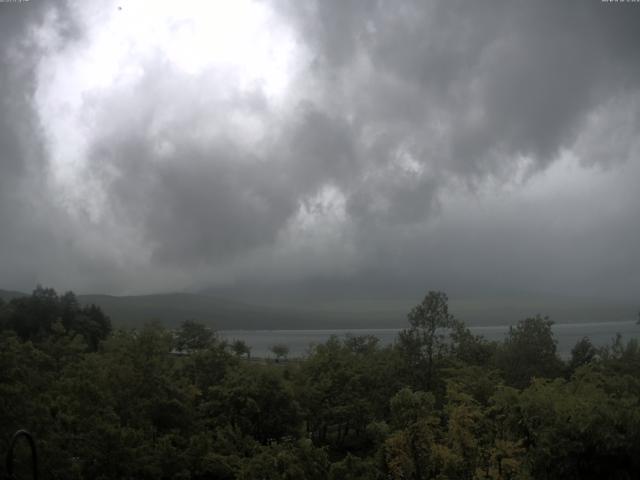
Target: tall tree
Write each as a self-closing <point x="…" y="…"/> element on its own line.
<point x="192" y="336"/>
<point x="280" y="350"/>
<point x="582" y="353"/>
<point x="241" y="348"/>
<point x="529" y="351"/>
<point x="425" y="342"/>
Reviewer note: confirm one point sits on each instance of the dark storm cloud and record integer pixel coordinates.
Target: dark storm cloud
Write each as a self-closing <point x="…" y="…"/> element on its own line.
<point x="478" y="91"/>
<point x="502" y="79"/>
<point x="327" y="145"/>
<point x="35" y="235"/>
<point x="406" y="153"/>
<point x="16" y="83"/>
<point x="18" y="143"/>
<point x="196" y="196"/>
<point x="198" y="204"/>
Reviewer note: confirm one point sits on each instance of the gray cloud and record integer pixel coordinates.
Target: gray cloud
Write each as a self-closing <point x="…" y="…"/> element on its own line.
<point x="19" y="146"/>
<point x="485" y="82"/>
<point x="409" y="152"/>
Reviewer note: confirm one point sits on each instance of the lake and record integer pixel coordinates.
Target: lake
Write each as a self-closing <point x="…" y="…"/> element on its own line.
<point x="298" y="341"/>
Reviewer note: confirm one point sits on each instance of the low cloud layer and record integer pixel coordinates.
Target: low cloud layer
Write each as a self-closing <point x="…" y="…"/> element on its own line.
<point x="373" y="148"/>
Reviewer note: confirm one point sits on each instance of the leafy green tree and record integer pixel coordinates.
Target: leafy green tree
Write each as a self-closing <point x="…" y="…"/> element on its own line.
<point x="26" y="375"/>
<point x="3" y="315"/>
<point x="256" y="401"/>
<point x="579" y="428"/>
<point x="343" y="386"/>
<point x="471" y="349"/>
<point x="287" y="461"/>
<point x="241" y="348"/>
<point x="280" y="350"/>
<point x="410" y="450"/>
<point x="192" y="336"/>
<point x="529" y="351"/>
<point x="93" y="325"/>
<point x="206" y="368"/>
<point x="352" y="467"/>
<point x="582" y="353"/>
<point x="475" y="444"/>
<point x="63" y="347"/>
<point x="362" y="344"/>
<point x="424" y="343"/>
<point x="621" y="358"/>
<point x="33" y="318"/>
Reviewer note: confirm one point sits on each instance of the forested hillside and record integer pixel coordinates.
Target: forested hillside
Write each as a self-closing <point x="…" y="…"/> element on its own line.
<point x="440" y="403"/>
<point x="291" y="312"/>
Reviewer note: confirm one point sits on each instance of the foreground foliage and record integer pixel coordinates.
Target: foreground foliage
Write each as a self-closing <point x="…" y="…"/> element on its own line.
<point x="440" y="403"/>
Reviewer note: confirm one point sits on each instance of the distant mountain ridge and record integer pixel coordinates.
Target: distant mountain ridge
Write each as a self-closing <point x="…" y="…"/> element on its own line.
<point x="171" y="309"/>
<point x="227" y="314"/>
<point x="7" y="295"/>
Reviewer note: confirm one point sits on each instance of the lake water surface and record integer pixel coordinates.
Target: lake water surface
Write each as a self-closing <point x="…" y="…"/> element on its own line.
<point x="299" y="341"/>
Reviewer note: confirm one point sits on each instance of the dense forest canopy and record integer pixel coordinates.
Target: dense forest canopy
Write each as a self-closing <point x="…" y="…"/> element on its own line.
<point x="440" y="403"/>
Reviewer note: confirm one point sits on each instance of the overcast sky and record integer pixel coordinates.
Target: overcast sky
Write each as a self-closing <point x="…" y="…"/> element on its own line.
<point x="375" y="147"/>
